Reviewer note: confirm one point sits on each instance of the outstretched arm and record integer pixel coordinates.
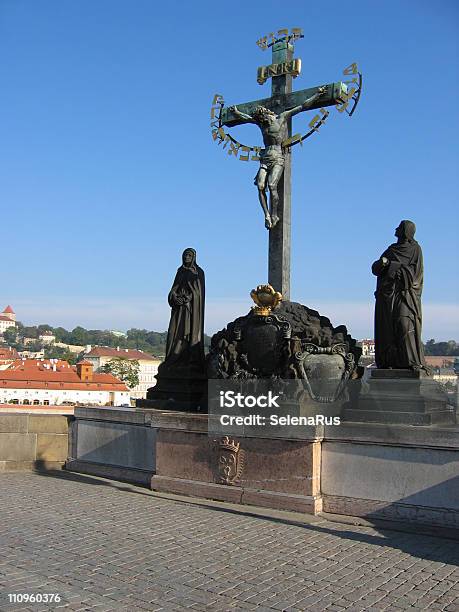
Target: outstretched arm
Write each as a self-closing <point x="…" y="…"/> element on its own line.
<point x="243" y="116"/>
<point x="306" y="104"/>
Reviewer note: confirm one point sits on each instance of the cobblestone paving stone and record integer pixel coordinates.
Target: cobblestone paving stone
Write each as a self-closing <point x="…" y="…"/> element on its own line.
<point x="106" y="546"/>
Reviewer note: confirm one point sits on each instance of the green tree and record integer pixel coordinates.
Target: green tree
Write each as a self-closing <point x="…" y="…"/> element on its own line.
<point x="35" y="347"/>
<point x="30" y="331"/>
<point x="62" y="335"/>
<point x="450" y="348"/>
<point x="10" y="336"/>
<point x="59" y="352"/>
<point x="126" y="370"/>
<point x="79" y="336"/>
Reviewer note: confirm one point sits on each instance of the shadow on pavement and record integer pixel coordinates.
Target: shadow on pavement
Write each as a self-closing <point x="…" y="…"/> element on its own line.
<point x="411" y="539"/>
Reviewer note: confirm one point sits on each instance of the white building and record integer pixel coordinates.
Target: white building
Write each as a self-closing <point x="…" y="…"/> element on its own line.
<point x="52" y="382"/>
<point x="368" y="348"/>
<point x="100" y="355"/>
<point x="7" y="319"/>
<point x="47" y="337"/>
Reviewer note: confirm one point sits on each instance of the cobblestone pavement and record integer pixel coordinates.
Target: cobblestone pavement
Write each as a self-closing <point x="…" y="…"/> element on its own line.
<point x="103" y="545"/>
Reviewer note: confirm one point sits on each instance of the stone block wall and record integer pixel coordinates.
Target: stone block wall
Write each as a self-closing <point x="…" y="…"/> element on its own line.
<point x="33" y="441"/>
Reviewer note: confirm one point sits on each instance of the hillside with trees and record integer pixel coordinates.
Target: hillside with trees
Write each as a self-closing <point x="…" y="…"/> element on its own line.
<point x="148" y="341"/>
<point x="142" y="339"/>
<point x="446" y="349"/>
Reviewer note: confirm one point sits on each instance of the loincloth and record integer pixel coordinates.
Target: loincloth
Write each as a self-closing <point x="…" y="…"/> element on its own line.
<point x="270" y="158"/>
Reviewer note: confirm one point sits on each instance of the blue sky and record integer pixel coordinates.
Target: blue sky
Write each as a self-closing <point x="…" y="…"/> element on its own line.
<point x="108" y="170"/>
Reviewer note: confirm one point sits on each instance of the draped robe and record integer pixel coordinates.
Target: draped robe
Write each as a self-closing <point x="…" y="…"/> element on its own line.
<point x="185" y="336"/>
<point x="398" y="315"/>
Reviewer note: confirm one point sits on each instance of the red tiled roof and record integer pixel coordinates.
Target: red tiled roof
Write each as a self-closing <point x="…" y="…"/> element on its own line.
<point x="9" y="309"/>
<point x="32" y="374"/>
<point x="440" y="361"/>
<point x="107" y="351"/>
<point x="8" y="353"/>
<point x="5" y="318"/>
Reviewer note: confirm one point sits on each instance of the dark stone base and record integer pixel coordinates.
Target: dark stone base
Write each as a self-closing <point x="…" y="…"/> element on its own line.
<point x="186" y="404"/>
<point x="180" y="388"/>
<point x="401" y="397"/>
<point x="113" y="472"/>
<point x="407" y="513"/>
<point x="308" y="504"/>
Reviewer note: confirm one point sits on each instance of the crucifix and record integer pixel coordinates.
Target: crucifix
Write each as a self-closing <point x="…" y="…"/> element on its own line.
<point x="273" y="116"/>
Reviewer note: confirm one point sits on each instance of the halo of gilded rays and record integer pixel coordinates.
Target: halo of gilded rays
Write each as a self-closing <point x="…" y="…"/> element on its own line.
<point x="247" y="153"/>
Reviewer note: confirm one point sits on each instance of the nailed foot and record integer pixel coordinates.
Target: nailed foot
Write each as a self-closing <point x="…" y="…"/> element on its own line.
<point x="268" y="223"/>
<point x="274" y="220"/>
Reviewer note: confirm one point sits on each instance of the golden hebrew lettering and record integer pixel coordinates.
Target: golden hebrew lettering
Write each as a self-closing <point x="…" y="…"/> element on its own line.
<point x="297" y="33"/>
<point x="292" y="140"/>
<point x="220" y="133"/>
<point x="352" y="69"/>
<point x="225" y="141"/>
<point x="347" y="96"/>
<point x="246" y="150"/>
<point x="234" y="148"/>
<point x="313" y="122"/>
<point x="317" y="121"/>
<point x="355" y="80"/>
<point x="263" y="43"/>
<point x="256" y="154"/>
<point x="343" y="107"/>
<point x="282" y="33"/>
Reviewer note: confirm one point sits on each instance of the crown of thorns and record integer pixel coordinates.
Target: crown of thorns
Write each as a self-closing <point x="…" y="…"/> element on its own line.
<point x="262" y="110"/>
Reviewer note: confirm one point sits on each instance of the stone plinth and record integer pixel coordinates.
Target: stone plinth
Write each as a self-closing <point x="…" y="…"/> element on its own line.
<point x="273" y="473"/>
<point x="112" y="442"/>
<point x="177" y="388"/>
<point x="395" y="472"/>
<point x="401" y="396"/>
<point x="387" y="471"/>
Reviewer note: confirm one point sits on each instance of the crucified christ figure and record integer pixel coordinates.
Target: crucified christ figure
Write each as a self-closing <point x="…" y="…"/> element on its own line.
<point x="272" y="158"/>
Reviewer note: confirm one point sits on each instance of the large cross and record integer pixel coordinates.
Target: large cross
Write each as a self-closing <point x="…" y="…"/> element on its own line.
<point x="282" y="99"/>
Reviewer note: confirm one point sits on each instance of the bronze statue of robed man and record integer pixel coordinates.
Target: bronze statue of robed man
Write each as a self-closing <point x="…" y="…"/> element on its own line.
<point x="398" y="314"/>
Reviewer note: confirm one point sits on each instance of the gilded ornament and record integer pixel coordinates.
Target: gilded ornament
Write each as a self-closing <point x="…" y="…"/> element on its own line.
<point x="266" y="299"/>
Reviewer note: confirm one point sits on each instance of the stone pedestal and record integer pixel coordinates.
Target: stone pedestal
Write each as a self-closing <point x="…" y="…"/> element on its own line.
<point x="401" y="396"/>
<point x="179" y="388"/>
<point x="395" y="472"/>
<point x="273" y="473"/>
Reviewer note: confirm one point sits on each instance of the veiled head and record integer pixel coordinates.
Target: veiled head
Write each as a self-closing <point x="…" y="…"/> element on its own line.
<point x="405" y="230"/>
<point x="189" y="257"/>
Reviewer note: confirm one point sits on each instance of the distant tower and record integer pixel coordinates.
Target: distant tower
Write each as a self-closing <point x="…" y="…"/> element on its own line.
<point x="85" y="370"/>
<point x="7" y="319"/>
<point x="9" y="313"/>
